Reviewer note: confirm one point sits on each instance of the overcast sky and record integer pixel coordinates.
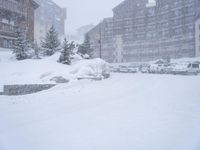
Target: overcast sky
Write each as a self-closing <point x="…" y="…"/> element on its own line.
<point x="84" y="12"/>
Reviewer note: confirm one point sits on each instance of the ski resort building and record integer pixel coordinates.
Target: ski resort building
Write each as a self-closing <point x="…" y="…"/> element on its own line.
<point x="143" y="31"/>
<point x="14" y="14"/>
<point x="48" y="14"/>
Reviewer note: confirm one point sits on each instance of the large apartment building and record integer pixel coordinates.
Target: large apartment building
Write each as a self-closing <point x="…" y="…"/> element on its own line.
<point x="16" y="14"/>
<point x="139" y="31"/>
<point x="48" y="14"/>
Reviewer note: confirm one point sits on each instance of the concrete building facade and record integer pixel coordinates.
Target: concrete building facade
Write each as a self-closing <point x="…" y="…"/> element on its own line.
<point x="139" y="31"/>
<point x="16" y="14"/>
<point x="48" y="14"/>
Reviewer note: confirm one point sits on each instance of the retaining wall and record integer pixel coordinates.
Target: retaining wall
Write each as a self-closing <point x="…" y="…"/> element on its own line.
<point x="11" y="90"/>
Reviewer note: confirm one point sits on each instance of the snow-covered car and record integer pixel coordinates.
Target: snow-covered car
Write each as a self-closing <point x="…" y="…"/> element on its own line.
<point x="180" y="68"/>
<point x="144" y="69"/>
<point x="114" y="68"/>
<point x="153" y="68"/>
<point x="132" y="69"/>
<point x="167" y="69"/>
<point x="123" y="69"/>
<point x="194" y="68"/>
<point x="160" y="68"/>
<point x="186" y="69"/>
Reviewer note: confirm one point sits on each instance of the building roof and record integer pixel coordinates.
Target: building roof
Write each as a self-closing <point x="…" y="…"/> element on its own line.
<point x="119" y="5"/>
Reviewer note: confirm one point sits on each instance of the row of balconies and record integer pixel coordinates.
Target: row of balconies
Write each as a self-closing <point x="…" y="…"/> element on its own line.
<point x="13" y="6"/>
<point x="7" y="28"/>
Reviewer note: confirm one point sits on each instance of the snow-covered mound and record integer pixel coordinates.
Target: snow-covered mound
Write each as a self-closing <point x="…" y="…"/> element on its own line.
<point x="44" y="70"/>
<point x="91" y="69"/>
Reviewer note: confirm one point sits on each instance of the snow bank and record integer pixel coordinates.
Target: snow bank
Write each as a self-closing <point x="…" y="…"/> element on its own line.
<point x="33" y="71"/>
<point x="95" y="68"/>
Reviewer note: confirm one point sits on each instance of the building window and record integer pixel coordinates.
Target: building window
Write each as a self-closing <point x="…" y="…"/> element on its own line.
<point x="7" y="43"/>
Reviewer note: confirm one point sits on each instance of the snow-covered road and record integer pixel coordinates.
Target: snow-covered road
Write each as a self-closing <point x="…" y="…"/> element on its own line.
<point x="125" y="112"/>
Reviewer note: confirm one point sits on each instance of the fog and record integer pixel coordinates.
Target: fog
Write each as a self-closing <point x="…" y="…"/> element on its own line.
<point x="84" y="12"/>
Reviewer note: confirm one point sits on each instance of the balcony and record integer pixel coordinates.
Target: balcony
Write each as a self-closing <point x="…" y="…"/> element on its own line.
<point x="13" y="6"/>
<point x="7" y="29"/>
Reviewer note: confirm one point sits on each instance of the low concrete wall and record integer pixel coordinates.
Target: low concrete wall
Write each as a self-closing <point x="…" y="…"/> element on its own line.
<point x="11" y="90"/>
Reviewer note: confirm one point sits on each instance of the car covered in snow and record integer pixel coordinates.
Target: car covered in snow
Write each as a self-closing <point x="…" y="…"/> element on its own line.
<point x="144" y="68"/>
<point x="168" y="68"/>
<point x="165" y="68"/>
<point x="154" y="68"/>
<point x="187" y="68"/>
<point x="114" y="68"/>
<point x="123" y="69"/>
<point x="132" y="69"/>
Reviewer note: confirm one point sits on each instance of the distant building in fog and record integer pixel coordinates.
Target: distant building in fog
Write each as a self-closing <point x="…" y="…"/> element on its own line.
<point x="101" y="37"/>
<point x="139" y="31"/>
<point x="14" y="14"/>
<point x="84" y="29"/>
<point x="78" y="36"/>
<point x="48" y="14"/>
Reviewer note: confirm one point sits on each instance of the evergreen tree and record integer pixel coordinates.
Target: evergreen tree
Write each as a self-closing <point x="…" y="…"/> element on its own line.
<point x="65" y="57"/>
<point x="20" y="46"/>
<point x="85" y="48"/>
<point x="51" y="42"/>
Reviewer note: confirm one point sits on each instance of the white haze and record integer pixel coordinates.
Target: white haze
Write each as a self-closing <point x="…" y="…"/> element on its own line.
<point x="84" y="12"/>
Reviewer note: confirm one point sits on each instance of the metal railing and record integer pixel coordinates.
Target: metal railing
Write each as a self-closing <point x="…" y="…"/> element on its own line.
<point x="7" y="27"/>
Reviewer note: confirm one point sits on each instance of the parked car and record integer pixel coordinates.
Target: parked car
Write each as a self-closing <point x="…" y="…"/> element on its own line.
<point x="132" y="69"/>
<point x="187" y="69"/>
<point x="114" y="69"/>
<point x="123" y="69"/>
<point x="144" y="68"/>
<point x="154" y="68"/>
<point x="194" y="68"/>
<point x="167" y="69"/>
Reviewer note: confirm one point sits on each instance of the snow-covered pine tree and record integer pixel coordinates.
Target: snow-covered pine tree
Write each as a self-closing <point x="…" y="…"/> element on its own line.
<point x="85" y="48"/>
<point x="65" y="57"/>
<point x="20" y="45"/>
<point x="51" y="42"/>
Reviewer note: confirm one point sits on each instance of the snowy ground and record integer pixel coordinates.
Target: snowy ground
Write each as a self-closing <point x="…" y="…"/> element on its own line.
<point x="125" y="112"/>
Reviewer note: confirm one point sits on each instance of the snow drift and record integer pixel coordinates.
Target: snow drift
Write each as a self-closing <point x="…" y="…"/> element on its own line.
<point x="125" y="112"/>
<point x="46" y="69"/>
